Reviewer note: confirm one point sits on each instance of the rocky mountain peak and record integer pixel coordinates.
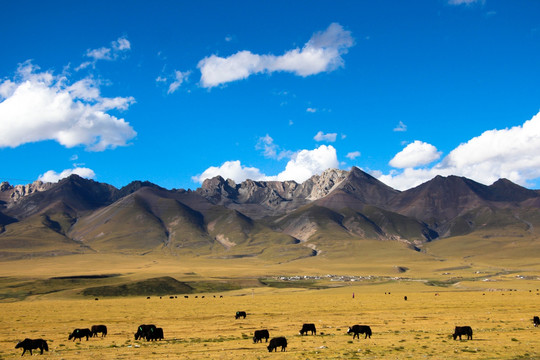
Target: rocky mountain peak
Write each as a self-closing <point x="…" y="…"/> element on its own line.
<point x="217" y="188"/>
<point x="13" y="193"/>
<point x="321" y="185"/>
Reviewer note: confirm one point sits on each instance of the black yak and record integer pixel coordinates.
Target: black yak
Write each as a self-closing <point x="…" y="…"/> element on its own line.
<point x="99" y="329"/>
<point x="462" y="330"/>
<point x="29" y="344"/>
<point x="258" y="335"/>
<point x="143" y="330"/>
<point x="80" y="333"/>
<point x="240" y="314"/>
<point x="154" y="334"/>
<point x="308" y="327"/>
<point x="360" y="329"/>
<point x="276" y="342"/>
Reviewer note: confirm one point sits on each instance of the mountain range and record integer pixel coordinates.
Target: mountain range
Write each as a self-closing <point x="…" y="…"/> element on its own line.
<point x="280" y="221"/>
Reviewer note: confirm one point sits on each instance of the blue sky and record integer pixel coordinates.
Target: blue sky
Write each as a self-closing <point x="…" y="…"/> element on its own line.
<point x="174" y="91"/>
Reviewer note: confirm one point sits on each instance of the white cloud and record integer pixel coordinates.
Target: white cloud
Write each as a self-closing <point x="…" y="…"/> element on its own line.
<point x="353" y="155"/>
<point x="122" y="44"/>
<point x="320" y="136"/>
<point x="272" y="150"/>
<point x="307" y="163"/>
<point x="512" y="153"/>
<point x="301" y="167"/>
<point x="233" y="170"/>
<point x="52" y="176"/>
<point x="321" y="53"/>
<point x="117" y="48"/>
<point x="311" y="110"/>
<point x="465" y="2"/>
<point x="40" y="106"/>
<point x="409" y="177"/>
<point x="266" y="143"/>
<point x="179" y="78"/>
<point x="401" y="127"/>
<point x="415" y="154"/>
<point x="99" y="54"/>
<point x="7" y="88"/>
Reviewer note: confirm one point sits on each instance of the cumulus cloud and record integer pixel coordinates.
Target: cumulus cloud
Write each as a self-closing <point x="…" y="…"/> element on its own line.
<point x="323" y="52"/>
<point x="401" y="127"/>
<point x="511" y="153"/>
<point x="40" y="106"/>
<point x="320" y="136"/>
<point x="233" y="170"/>
<point x="7" y="88"/>
<point x="306" y="163"/>
<point x="415" y="154"/>
<point x="353" y="155"/>
<point x="52" y="176"/>
<point x="311" y="110"/>
<point x="301" y="166"/>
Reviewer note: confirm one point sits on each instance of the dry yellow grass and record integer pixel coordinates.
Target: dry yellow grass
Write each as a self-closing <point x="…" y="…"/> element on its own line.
<point x="206" y="329"/>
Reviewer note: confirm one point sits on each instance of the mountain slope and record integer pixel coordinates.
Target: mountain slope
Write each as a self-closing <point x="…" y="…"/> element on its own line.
<point x="278" y="221"/>
<point x="141" y="221"/>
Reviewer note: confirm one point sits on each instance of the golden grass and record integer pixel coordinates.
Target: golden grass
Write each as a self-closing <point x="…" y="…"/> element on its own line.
<point x="507" y="272"/>
<point x="205" y="328"/>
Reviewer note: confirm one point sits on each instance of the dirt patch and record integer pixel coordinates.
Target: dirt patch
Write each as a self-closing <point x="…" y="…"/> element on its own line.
<point x="227" y="244"/>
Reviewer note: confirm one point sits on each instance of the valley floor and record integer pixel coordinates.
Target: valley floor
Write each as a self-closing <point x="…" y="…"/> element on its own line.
<point x="205" y="328"/>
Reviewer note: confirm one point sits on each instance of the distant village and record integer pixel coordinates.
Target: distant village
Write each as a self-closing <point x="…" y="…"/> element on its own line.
<point x="331" y="277"/>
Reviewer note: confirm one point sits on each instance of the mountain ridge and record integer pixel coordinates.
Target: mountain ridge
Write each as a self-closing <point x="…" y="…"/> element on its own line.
<point x="274" y="219"/>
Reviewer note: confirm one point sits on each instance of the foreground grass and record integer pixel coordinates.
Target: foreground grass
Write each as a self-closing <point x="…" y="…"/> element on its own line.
<point x="205" y="328"/>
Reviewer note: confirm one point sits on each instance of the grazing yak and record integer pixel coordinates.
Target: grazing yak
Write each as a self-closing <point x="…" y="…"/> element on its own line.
<point x="276" y="342"/>
<point x="258" y="335"/>
<point x="536" y="321"/>
<point x="462" y="330"/>
<point x="308" y="327"/>
<point x="143" y="330"/>
<point x="360" y="329"/>
<point x="80" y="333"/>
<point x="29" y="344"/>
<point x="240" y="314"/>
<point x="154" y="334"/>
<point x="99" y="329"/>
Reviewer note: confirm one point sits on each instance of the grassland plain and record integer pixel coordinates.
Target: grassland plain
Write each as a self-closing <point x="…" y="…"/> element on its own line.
<point x="205" y="328"/>
<point x="38" y="299"/>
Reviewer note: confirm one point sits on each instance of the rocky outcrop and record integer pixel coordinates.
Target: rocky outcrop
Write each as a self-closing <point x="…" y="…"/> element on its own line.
<point x="10" y="194"/>
<point x="318" y="186"/>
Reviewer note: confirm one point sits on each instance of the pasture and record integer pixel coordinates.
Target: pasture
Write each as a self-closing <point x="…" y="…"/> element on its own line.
<point x="206" y="328"/>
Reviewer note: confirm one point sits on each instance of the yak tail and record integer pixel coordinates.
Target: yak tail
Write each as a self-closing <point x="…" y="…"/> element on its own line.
<point x="369" y="332"/>
<point x="45" y="346"/>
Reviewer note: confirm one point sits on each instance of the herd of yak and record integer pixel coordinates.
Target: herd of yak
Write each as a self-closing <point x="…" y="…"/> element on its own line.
<point x="151" y="333"/>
